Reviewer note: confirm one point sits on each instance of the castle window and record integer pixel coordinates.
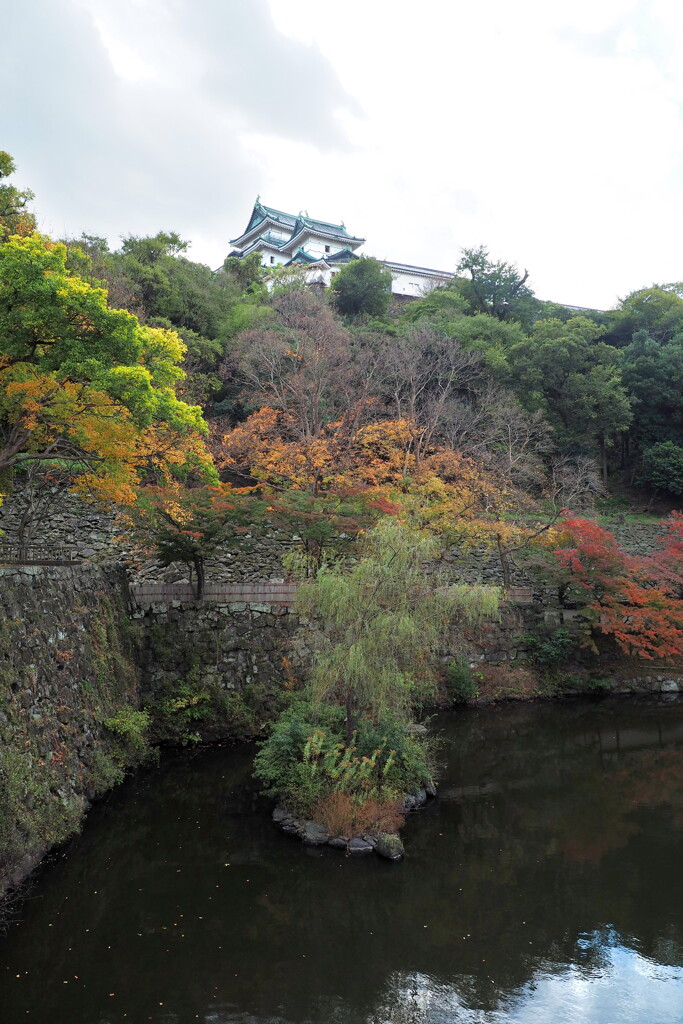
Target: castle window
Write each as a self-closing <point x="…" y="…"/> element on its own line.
<point x="272" y="259"/>
<point x="327" y="248"/>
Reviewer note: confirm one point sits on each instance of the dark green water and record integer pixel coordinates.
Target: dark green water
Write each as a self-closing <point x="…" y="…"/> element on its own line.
<point x="544" y="885"/>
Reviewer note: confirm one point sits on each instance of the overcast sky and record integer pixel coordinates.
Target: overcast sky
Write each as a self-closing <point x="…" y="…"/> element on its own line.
<point x="551" y="132"/>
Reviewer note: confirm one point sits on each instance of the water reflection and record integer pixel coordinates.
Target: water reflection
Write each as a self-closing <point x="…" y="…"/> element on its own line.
<point x="542" y="886"/>
<point x="626" y="988"/>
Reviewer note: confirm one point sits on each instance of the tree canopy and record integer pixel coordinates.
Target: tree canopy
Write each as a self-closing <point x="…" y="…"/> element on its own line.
<point x="83" y="383"/>
<point x="565" y="370"/>
<point x="15" y="219"/>
<point x="362" y="287"/>
<point x="496" y="288"/>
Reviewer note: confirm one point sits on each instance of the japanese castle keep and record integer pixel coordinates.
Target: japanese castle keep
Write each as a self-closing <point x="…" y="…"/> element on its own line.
<point x="285" y="239"/>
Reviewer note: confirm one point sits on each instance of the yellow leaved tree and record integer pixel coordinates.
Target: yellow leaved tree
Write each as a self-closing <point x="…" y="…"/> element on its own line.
<point x="87" y="387"/>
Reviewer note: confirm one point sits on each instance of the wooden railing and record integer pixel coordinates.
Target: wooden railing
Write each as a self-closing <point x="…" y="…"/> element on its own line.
<point x="38" y="554"/>
<point x="223" y="593"/>
<point x="263" y="592"/>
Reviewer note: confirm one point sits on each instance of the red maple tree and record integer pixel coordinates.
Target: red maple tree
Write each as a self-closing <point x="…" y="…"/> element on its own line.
<point x="634" y="599"/>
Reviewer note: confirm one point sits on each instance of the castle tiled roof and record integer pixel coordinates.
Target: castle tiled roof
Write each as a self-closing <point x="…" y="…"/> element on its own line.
<point x="265" y="219"/>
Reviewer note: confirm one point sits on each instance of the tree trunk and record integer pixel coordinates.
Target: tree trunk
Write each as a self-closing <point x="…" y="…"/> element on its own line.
<point x="603" y="455"/>
<point x="199" y="570"/>
<point x="504" y="562"/>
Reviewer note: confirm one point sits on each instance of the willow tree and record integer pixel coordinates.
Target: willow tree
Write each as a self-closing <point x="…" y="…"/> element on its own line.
<point x="386" y="617"/>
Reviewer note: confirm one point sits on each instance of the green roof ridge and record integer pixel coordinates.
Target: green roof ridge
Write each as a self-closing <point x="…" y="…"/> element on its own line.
<point x="325" y="223"/>
<point x="281" y="213"/>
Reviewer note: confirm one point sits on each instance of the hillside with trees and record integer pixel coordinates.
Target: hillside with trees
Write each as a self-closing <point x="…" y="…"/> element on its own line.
<point x="204" y="402"/>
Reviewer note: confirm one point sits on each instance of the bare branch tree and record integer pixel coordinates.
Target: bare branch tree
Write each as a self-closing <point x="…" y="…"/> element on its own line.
<point x="419" y="374"/>
<point x="302" y="365"/>
<point x="574" y="482"/>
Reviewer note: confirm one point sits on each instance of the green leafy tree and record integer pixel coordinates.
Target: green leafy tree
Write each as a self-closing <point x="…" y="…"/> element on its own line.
<point x="362" y="287"/>
<point x="556" y="311"/>
<point x="386" y="619"/>
<point x="14" y="216"/>
<point x="172" y="286"/>
<point x="153" y="278"/>
<point x="663" y="467"/>
<point x="497" y="287"/>
<point x="85" y="384"/>
<point x="446" y="311"/>
<point x="657" y="310"/>
<point x="653" y="374"/>
<point x="247" y="272"/>
<point x="441" y="307"/>
<point x="491" y="338"/>
<point x="344" y="754"/>
<point x="566" y="372"/>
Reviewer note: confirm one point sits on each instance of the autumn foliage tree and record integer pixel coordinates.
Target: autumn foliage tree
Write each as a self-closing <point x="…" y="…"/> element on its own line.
<point x="635" y="600"/>
<point x="84" y="384"/>
<point x="327" y="524"/>
<point x="191" y="525"/>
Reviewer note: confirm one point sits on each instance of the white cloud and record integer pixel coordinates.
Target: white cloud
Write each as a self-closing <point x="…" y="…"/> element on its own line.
<point x="550" y="132"/>
<point x="558" y="124"/>
<point x="128" y="116"/>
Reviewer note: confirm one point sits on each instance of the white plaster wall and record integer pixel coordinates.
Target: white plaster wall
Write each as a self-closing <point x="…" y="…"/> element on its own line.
<point x="277" y="257"/>
<point x="318" y="275"/>
<point x="410" y="284"/>
<point x="280" y="233"/>
<point x="316" y="247"/>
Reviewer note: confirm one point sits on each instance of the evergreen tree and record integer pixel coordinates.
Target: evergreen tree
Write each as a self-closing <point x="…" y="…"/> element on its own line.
<point x="362" y="287"/>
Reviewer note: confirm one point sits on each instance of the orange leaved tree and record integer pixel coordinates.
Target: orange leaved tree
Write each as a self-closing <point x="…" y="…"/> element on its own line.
<point x="86" y="386"/>
<point x="636" y="600"/>
<point x="190" y="525"/>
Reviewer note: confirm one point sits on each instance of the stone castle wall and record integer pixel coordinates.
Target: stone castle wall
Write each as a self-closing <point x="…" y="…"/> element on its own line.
<point x="96" y="535"/>
<point x="67" y="661"/>
<point x="76" y="649"/>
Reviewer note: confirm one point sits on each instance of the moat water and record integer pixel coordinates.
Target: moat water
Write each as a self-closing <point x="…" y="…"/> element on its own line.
<point x="543" y="885"/>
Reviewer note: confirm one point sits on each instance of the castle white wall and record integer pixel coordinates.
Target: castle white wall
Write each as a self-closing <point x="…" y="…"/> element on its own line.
<point x="280" y="233"/>
<point x="269" y="258"/>
<point x="411" y="284"/>
<point x="315" y="247"/>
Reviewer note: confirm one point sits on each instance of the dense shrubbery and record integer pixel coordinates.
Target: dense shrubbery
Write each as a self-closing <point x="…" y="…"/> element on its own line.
<point x="552" y="650"/>
<point x="307" y="758"/>
<point x="131" y="725"/>
<point x="461" y="686"/>
<point x="663" y="467"/>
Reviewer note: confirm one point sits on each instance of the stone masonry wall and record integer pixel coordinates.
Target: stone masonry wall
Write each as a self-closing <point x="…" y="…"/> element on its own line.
<point x="95" y="534"/>
<point x="67" y="661"/>
<point x="242" y="650"/>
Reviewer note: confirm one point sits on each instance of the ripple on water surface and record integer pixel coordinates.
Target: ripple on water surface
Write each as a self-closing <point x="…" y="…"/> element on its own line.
<point x="542" y="886"/>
